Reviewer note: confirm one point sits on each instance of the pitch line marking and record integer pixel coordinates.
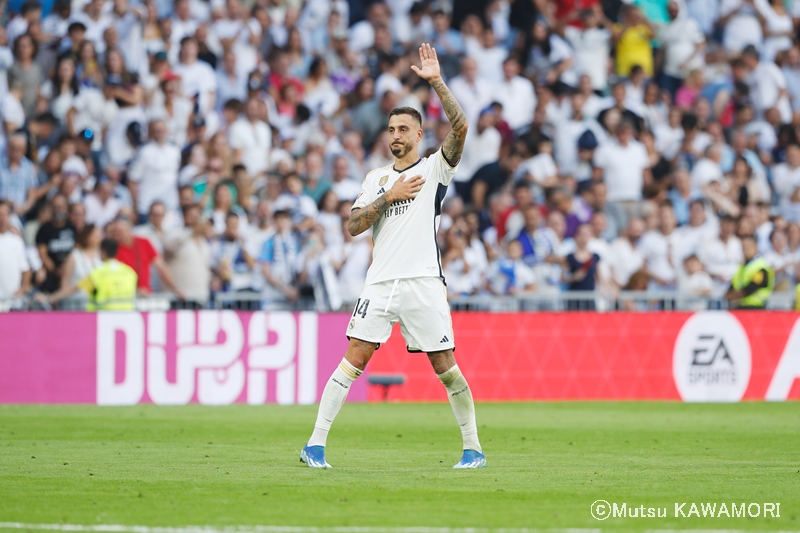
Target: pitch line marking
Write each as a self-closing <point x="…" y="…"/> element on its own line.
<point x="121" y="528"/>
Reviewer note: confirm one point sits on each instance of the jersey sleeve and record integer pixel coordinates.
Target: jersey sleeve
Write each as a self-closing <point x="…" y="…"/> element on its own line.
<point x="441" y="169"/>
<point x="365" y="197"/>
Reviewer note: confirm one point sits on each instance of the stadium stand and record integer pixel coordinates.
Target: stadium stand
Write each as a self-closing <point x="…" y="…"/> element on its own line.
<point x="617" y="153"/>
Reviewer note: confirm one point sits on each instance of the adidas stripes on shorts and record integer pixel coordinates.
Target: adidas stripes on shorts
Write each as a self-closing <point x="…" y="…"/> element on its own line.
<point x="419" y="304"/>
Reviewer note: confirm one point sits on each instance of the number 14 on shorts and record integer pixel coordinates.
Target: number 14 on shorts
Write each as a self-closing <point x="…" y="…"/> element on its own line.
<point x="361" y="308"/>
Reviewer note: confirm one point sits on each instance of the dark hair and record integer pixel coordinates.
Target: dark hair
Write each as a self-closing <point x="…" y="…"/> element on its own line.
<point x="33" y="43"/>
<point x="73" y="84"/>
<point x="407" y="111"/>
<point x="743" y="160"/>
<point x="28" y="6"/>
<point x="126" y="76"/>
<point x="316" y="65"/>
<point x="689" y="121"/>
<point x="109" y="248"/>
<point x="76" y="26"/>
<point x="47" y="117"/>
<point x="280" y="213"/>
<point x="751" y="51"/>
<point x="698" y="201"/>
<point x="188" y="38"/>
<point x="82" y="238"/>
<point x="233" y="104"/>
<point x="302" y="113"/>
<point x="321" y="202"/>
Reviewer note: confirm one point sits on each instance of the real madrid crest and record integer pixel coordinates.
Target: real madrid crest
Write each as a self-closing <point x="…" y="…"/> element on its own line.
<point x="352" y="324"/>
<point x="383" y="180"/>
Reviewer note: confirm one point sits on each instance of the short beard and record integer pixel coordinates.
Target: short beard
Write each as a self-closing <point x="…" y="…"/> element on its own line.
<point x="400" y="151"/>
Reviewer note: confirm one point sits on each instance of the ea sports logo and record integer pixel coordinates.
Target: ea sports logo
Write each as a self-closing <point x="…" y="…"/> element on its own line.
<point x="711" y="361"/>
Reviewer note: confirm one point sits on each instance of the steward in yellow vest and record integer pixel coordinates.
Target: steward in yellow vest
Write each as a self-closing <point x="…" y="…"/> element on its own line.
<point x="753" y="283"/>
<point x="111" y="286"/>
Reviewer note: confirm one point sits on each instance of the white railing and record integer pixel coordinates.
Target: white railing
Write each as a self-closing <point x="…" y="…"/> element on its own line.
<point x="577" y="301"/>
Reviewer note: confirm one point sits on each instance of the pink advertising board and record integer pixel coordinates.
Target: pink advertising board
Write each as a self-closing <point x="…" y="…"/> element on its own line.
<point x="175" y="358"/>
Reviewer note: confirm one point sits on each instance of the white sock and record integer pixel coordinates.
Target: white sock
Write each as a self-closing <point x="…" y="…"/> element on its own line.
<point x="333" y="398"/>
<point x="463" y="407"/>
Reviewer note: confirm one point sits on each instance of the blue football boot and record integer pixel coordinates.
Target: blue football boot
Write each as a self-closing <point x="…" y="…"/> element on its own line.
<point x="471" y="459"/>
<point x="314" y="456"/>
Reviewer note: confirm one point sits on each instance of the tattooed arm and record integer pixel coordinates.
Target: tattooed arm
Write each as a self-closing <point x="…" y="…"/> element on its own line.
<point x="362" y="218"/>
<point x="453" y="145"/>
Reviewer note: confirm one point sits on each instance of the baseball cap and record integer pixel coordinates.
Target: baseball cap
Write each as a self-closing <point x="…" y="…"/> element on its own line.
<point x="587" y="141"/>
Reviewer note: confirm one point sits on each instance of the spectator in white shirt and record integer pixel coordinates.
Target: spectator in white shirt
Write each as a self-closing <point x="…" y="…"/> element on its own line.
<point x="174" y="110"/>
<point x="695" y="282"/>
<point x="624" y="165"/>
<point x="683" y="41"/>
<point x="96" y="23"/>
<point x="251" y="139"/>
<point x="741" y="25"/>
<point x="481" y="147"/>
<point x="626" y="258"/>
<point x="722" y="254"/>
<point x="188" y="256"/>
<point x="791" y="71"/>
<point x="516" y="94"/>
<point x="510" y="275"/>
<point x="15" y="272"/>
<point x="708" y="169"/>
<point x="197" y="77"/>
<point x="301" y="208"/>
<point x="233" y="31"/>
<point x="658" y="250"/>
<point x="57" y="22"/>
<point x="687" y="238"/>
<point x="392" y="68"/>
<point x="345" y="187"/>
<point x="777" y="24"/>
<point x="780" y="259"/>
<point x="767" y="85"/>
<point x="230" y="83"/>
<point x="786" y="177"/>
<point x="101" y="206"/>
<point x="488" y="54"/>
<point x="183" y="23"/>
<point x="154" y="171"/>
<point x="472" y="92"/>
<point x="592" y="46"/>
<point x="362" y="34"/>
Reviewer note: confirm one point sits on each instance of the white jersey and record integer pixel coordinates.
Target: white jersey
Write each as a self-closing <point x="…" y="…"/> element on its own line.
<point x="405" y="236"/>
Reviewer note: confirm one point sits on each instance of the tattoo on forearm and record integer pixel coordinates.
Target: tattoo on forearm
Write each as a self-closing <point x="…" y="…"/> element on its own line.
<point x="453" y="144"/>
<point x="363" y="219"/>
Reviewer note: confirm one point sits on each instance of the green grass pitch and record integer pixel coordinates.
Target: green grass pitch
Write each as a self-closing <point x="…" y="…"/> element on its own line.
<point x="547" y="463"/>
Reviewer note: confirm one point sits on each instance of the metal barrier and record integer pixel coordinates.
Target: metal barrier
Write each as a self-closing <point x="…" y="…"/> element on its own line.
<point x="578" y="301"/>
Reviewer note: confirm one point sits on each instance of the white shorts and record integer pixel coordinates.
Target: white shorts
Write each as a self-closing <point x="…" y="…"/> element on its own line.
<point x="419" y="304"/>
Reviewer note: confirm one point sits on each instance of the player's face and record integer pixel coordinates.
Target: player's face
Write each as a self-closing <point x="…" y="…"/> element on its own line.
<point x="404" y="134"/>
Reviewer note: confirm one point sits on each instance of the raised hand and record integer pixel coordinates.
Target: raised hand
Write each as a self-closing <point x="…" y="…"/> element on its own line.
<point x="405" y="190"/>
<point x="430" y="63"/>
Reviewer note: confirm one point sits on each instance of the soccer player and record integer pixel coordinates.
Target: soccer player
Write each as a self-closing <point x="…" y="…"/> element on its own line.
<point x="402" y="203"/>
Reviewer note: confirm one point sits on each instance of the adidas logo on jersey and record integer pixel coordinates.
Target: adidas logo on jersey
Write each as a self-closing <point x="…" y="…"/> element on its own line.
<point x="382" y="191"/>
<point x="444" y="339"/>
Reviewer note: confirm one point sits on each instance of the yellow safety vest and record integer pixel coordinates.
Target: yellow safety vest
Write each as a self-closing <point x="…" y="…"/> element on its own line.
<point x="797" y="297"/>
<point x="112" y="287"/>
<point x="746" y="274"/>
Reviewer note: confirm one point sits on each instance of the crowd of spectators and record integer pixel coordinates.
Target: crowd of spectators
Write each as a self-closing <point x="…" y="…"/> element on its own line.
<point x="612" y="145"/>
